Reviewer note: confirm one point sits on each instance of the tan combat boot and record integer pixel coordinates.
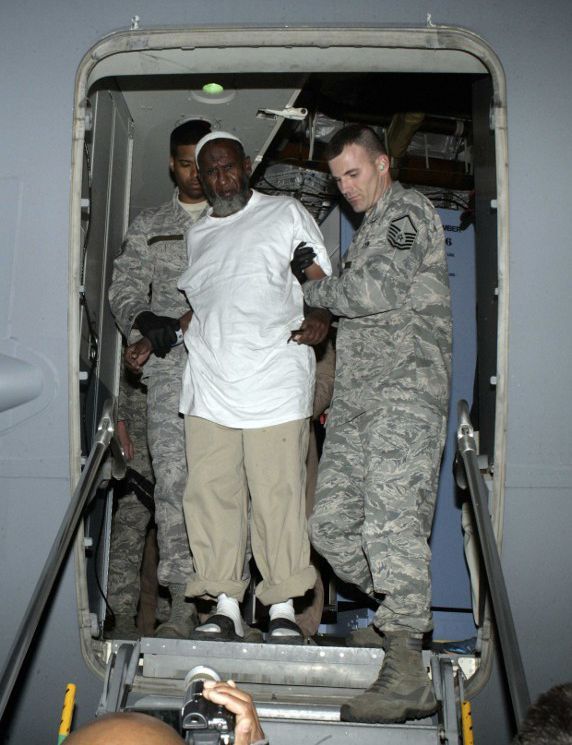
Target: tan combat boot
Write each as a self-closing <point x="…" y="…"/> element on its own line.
<point x="369" y="636"/>
<point x="402" y="690"/>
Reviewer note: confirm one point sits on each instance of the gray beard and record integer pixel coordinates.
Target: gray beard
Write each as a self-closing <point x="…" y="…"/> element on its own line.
<point x="225" y="207"/>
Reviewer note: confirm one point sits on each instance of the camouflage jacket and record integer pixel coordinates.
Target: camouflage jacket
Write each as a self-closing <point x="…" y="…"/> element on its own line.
<point x="394" y="335"/>
<point x="145" y="274"/>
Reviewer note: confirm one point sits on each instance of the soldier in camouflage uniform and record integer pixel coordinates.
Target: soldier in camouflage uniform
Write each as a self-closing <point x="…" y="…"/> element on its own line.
<point x="144" y="297"/>
<point x="132" y="516"/>
<point x="386" y="429"/>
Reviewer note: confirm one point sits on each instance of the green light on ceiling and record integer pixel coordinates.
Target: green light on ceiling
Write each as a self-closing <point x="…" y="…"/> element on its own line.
<point x="213" y="89"/>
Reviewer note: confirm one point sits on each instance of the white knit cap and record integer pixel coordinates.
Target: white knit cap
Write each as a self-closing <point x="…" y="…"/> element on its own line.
<point x="218" y="135"/>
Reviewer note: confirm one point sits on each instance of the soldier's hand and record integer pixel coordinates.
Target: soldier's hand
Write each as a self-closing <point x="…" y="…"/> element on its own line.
<point x="137" y="354"/>
<point x="314" y="328"/>
<point x="303" y="258"/>
<point x="160" y="330"/>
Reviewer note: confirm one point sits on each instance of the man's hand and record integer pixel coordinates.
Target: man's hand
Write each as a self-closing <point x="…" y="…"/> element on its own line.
<point x="137" y="354"/>
<point x="160" y="330"/>
<point x="303" y="258"/>
<point x="125" y="440"/>
<point x="314" y="328"/>
<point x="247" y="728"/>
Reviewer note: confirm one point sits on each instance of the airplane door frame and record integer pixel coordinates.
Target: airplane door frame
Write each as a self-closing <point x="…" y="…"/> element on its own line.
<point x="255" y="49"/>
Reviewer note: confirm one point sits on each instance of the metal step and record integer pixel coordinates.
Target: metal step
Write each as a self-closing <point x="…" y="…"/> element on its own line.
<point x="274" y="664"/>
<point x="298" y="690"/>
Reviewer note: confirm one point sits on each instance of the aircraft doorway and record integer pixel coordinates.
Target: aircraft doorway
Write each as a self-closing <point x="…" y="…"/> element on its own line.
<point x="441" y="112"/>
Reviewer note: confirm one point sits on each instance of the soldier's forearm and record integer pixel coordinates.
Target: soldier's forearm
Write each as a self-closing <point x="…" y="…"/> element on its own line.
<point x="356" y="293"/>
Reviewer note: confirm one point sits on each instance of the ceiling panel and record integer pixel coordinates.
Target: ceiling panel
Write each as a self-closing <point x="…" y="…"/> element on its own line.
<point x="156" y="106"/>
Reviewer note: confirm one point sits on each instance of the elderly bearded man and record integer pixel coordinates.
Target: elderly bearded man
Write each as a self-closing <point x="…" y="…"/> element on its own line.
<point x="247" y="393"/>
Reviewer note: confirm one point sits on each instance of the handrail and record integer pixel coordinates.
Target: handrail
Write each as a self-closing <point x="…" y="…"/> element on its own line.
<point x="104" y="438"/>
<point x="501" y="606"/>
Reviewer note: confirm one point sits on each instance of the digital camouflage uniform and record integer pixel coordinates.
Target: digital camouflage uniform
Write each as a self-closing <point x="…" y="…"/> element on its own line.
<point x="386" y="428"/>
<point x="145" y="277"/>
<point x="131" y="518"/>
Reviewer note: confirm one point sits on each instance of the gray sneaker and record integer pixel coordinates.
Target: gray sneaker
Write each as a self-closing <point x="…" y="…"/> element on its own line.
<point x="402" y="690"/>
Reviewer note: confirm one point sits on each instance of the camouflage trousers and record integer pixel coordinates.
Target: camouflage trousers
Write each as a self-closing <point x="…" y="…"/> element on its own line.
<point x="166" y="439"/>
<point x="129" y="528"/>
<point x="375" y="500"/>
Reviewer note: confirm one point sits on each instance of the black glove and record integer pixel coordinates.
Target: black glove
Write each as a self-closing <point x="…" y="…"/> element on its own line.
<point x="160" y="330"/>
<point x="303" y="258"/>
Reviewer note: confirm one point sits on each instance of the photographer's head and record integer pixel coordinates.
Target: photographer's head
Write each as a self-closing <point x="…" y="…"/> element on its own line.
<point x="125" y="728"/>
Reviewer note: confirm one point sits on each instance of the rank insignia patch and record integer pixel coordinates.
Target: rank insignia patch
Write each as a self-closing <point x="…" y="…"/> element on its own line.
<point x="401" y="233"/>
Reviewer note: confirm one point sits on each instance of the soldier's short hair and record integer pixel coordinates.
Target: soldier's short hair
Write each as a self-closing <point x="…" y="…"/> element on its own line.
<point x="549" y="720"/>
<point x="355" y="134"/>
<point x="188" y="133"/>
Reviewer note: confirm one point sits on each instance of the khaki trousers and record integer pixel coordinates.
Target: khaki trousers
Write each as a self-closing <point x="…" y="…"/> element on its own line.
<point x="225" y="466"/>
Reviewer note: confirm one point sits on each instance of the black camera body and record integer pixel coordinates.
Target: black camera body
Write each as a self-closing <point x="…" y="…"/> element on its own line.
<point x="202" y="722"/>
